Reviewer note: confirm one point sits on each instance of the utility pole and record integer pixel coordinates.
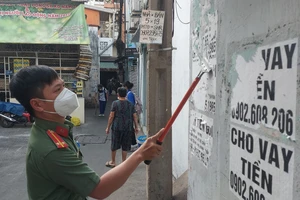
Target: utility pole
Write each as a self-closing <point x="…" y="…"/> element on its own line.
<point x="159" y="80"/>
<point x="120" y="44"/>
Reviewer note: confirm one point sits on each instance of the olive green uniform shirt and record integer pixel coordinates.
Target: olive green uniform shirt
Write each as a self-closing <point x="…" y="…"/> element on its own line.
<point x="56" y="173"/>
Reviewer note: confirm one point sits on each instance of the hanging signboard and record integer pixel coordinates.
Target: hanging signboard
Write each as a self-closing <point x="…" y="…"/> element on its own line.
<point x="131" y="52"/>
<point x="43" y="23"/>
<point x="151" y="26"/>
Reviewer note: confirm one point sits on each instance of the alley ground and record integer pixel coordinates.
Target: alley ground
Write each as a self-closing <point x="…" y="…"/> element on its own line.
<point x="13" y="145"/>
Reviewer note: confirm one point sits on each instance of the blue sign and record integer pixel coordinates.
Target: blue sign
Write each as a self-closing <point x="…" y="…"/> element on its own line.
<point x="8" y="72"/>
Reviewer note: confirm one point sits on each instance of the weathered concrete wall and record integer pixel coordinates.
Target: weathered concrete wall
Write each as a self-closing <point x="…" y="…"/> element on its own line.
<point x="90" y="86"/>
<point x="244" y="119"/>
<point x="180" y="84"/>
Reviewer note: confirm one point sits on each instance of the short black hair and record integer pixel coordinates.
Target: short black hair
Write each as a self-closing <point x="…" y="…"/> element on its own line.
<point x="29" y="83"/>
<point x="128" y="85"/>
<point x="122" y="91"/>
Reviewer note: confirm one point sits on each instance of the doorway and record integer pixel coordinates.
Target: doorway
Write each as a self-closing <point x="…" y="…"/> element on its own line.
<point x="106" y="75"/>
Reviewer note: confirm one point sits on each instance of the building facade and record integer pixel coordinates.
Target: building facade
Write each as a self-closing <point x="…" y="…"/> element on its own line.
<point x="103" y="21"/>
<point x="52" y="45"/>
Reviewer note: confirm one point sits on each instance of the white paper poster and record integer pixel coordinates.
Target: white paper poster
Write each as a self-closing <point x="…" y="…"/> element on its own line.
<point x="263" y="100"/>
<point x="260" y="169"/>
<point x="201" y="137"/>
<point x="152" y="26"/>
<point x="265" y="91"/>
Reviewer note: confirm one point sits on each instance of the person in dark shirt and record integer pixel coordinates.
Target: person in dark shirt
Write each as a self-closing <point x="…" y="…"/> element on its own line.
<point x="121" y="119"/>
<point x="131" y="98"/>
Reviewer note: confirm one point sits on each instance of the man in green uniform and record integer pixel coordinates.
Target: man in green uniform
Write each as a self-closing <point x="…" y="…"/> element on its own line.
<point x="54" y="165"/>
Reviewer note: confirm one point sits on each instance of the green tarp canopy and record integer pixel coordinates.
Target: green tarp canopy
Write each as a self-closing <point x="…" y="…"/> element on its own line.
<point x="43" y="23"/>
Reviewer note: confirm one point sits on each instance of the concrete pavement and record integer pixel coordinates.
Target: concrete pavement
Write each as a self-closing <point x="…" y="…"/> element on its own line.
<point x="13" y="145"/>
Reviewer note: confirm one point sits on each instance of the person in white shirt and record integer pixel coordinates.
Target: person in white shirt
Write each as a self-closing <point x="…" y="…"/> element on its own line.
<point x="102" y="96"/>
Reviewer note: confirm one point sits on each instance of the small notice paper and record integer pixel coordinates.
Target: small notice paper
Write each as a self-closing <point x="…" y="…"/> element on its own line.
<point x="152" y="26"/>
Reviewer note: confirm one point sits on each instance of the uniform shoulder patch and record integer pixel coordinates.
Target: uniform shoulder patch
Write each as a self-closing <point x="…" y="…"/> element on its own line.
<point x="58" y="141"/>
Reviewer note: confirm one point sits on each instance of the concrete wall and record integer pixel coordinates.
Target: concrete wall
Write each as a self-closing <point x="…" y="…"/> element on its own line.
<point x="244" y="118"/>
<point x="90" y="86"/>
<point x="180" y="84"/>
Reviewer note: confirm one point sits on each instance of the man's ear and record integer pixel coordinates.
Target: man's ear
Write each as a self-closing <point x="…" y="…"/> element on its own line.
<point x="36" y="105"/>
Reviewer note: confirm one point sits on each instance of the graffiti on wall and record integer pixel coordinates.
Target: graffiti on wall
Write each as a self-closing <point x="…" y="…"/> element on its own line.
<point x="91" y="84"/>
<point x="263" y="113"/>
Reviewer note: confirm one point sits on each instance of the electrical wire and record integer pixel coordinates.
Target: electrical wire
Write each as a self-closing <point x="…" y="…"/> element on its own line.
<point x="176" y="10"/>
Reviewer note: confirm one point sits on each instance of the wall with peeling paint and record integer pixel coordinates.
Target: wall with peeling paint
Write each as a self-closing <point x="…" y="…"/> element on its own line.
<point x="90" y="86"/>
<point x="244" y="118"/>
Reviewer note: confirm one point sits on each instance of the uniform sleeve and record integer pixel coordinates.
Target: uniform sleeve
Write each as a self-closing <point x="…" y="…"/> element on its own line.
<point x="130" y="97"/>
<point x="65" y="169"/>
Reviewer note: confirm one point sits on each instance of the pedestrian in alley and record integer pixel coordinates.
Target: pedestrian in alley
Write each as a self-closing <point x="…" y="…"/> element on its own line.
<point x="110" y="85"/>
<point x="131" y="98"/>
<point x="102" y="96"/>
<point x="54" y="166"/>
<point x="120" y="121"/>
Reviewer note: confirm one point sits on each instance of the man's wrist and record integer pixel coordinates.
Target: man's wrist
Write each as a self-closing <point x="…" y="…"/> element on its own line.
<point x="138" y="155"/>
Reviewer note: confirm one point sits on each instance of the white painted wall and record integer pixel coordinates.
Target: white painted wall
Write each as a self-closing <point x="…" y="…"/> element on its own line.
<point x="142" y="73"/>
<point x="180" y="84"/>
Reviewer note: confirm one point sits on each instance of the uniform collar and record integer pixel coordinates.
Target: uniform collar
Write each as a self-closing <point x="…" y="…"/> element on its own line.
<point x="61" y="129"/>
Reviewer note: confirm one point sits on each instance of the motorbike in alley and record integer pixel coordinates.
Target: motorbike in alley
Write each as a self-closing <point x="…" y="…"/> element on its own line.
<point x="13" y="113"/>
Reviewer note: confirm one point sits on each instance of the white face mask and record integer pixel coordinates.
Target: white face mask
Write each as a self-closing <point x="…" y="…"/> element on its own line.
<point x="65" y="103"/>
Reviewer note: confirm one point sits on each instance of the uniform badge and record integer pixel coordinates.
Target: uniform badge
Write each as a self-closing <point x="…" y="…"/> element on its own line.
<point x="57" y="140"/>
<point x="62" y="131"/>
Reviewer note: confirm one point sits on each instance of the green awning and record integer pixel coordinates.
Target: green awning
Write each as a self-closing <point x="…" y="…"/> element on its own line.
<point x="108" y="65"/>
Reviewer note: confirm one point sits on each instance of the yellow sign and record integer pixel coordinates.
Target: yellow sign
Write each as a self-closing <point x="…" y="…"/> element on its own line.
<point x="79" y="84"/>
<point x="20" y="63"/>
<point x="79" y="91"/>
